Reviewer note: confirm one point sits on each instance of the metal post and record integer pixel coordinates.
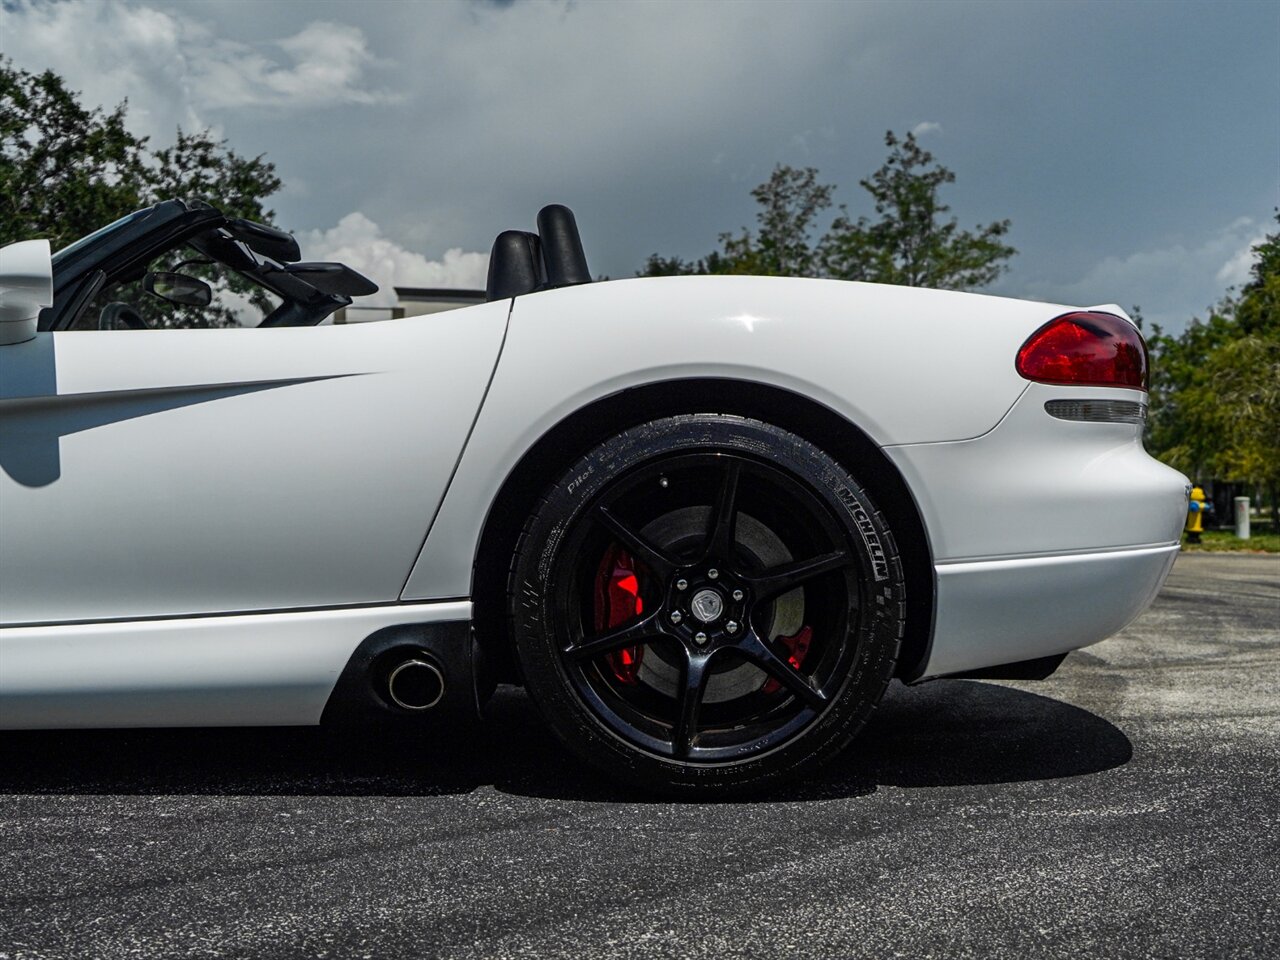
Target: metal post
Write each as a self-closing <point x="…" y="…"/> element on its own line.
<point x="1242" y="518"/>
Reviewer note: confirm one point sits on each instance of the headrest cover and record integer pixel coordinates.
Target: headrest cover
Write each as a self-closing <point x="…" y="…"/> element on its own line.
<point x="562" y="247"/>
<point x="515" y="265"/>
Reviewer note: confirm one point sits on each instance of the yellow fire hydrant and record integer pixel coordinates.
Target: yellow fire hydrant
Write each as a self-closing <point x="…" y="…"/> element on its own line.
<point x="1195" y="515"/>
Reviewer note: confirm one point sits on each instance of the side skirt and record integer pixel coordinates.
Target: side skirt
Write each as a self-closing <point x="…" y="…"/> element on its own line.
<point x="242" y="670"/>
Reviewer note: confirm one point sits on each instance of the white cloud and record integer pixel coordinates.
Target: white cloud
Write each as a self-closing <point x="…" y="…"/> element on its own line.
<point x="110" y="52"/>
<point x="174" y="70"/>
<point x="1235" y="271"/>
<point x="928" y="126"/>
<point x="327" y="67"/>
<point x="358" y="242"/>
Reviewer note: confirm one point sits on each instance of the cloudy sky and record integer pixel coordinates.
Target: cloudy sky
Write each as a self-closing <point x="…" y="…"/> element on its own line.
<point x="1135" y="146"/>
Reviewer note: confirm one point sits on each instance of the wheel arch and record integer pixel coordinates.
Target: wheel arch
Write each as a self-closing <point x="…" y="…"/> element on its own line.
<point x="594" y="423"/>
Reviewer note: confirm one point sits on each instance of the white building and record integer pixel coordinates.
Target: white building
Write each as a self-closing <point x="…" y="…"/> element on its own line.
<point x="412" y="302"/>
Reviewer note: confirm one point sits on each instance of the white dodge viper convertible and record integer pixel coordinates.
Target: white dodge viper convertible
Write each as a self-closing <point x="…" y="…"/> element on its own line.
<point x="703" y="520"/>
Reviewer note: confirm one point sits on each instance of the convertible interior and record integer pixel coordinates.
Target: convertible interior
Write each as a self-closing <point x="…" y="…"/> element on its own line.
<point x="167" y="264"/>
<point x="181" y="263"/>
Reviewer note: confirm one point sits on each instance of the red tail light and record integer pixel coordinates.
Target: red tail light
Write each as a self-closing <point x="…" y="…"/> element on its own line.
<point x="1086" y="350"/>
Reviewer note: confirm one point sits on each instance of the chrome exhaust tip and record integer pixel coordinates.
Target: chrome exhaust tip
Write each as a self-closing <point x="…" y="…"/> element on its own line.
<point x="415" y="684"/>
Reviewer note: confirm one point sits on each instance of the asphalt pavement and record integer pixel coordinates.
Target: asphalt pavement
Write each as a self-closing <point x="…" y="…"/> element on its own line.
<point x="1126" y="807"/>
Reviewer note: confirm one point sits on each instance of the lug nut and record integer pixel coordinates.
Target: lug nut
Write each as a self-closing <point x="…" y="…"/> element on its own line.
<point x="676" y="616"/>
<point x="731" y="626"/>
<point x="738" y="595"/>
<point x="712" y="573"/>
<point x="699" y="638"/>
<point x="682" y="584"/>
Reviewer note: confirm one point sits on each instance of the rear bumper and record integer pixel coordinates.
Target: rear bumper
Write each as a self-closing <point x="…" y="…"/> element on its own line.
<point x="1046" y="534"/>
<point x="1037" y="485"/>
<point x="1002" y="611"/>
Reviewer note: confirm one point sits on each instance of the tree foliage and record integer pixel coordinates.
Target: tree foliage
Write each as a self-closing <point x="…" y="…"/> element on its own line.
<point x="911" y="242"/>
<point x="1215" y="388"/>
<point x="790" y="202"/>
<point x="660" y="266"/>
<point x="66" y="170"/>
<point x="1177" y="430"/>
<point x="1259" y="308"/>
<point x="199" y="167"/>
<point x="1243" y="386"/>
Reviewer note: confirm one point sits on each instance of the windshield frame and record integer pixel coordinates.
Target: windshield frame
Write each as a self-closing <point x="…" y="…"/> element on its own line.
<point x="77" y="247"/>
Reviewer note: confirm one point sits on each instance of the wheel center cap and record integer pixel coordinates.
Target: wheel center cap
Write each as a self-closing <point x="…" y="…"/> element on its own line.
<point x="707" y="605"/>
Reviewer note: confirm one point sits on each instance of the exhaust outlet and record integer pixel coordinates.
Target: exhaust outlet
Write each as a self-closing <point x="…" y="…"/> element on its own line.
<point x="415" y="684"/>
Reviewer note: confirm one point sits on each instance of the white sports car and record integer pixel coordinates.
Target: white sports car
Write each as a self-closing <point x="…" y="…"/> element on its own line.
<point x="704" y="520"/>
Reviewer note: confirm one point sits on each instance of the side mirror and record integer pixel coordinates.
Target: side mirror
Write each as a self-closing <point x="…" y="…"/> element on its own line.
<point x="26" y="287"/>
<point x="179" y="288"/>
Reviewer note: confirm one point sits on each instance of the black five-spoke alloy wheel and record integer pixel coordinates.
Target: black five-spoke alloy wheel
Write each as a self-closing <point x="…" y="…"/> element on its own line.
<point x="706" y="603"/>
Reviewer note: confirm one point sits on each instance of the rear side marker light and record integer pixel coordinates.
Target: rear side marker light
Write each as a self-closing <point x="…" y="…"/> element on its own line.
<point x="1086" y="349"/>
<point x="1098" y="411"/>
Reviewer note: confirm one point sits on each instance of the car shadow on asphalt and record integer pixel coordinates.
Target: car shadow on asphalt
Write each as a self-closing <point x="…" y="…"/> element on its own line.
<point x="945" y="733"/>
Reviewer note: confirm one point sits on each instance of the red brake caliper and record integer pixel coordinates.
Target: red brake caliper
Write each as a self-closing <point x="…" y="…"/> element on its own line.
<point x="617" y="601"/>
<point x="797" y="648"/>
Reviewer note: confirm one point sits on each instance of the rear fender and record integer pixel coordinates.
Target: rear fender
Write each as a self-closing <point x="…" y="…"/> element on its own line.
<point x="904" y="365"/>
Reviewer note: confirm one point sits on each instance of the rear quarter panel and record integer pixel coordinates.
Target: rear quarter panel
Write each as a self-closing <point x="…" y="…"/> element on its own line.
<point x="904" y="365"/>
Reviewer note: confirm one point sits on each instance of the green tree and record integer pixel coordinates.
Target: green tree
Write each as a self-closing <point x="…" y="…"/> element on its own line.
<point x="1178" y="430"/>
<point x="790" y="201"/>
<point x="66" y="170"/>
<point x="1259" y="310"/>
<point x="1242" y="389"/>
<point x="660" y="266"/>
<point x="1215" y="388"/>
<point x="909" y="243"/>
<point x="1244" y="379"/>
<point x="199" y="167"/>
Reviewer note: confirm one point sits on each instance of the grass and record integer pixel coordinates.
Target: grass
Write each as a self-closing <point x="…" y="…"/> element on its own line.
<point x="1219" y="541"/>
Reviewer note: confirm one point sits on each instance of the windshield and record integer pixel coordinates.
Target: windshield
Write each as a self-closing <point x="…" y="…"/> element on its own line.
<point x="85" y="242"/>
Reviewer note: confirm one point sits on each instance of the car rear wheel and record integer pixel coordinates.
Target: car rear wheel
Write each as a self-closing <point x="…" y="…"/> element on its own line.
<point x="706" y="603"/>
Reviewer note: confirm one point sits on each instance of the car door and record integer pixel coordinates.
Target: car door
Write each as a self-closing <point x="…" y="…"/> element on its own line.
<point x="162" y="473"/>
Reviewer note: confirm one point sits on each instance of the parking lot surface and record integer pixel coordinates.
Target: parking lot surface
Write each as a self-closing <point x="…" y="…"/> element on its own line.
<point x="1127" y="807"/>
